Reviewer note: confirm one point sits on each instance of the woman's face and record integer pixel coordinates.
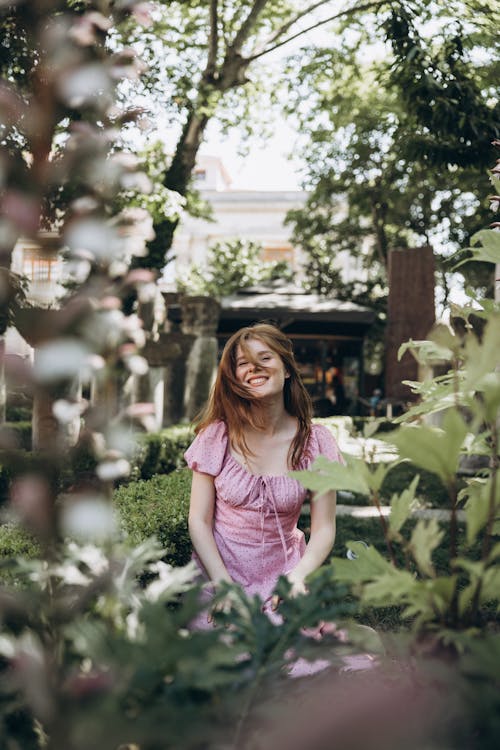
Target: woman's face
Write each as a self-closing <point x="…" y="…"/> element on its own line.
<point x="263" y="373"/>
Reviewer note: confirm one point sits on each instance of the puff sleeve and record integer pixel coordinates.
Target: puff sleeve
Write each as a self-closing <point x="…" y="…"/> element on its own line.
<point x="207" y="451"/>
<point x="324" y="444"/>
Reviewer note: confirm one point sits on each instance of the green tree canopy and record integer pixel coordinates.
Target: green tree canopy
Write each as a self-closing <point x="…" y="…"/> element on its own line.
<point x="372" y="147"/>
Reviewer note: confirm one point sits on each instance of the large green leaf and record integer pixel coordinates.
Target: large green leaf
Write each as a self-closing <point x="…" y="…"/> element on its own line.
<point x="426" y="352"/>
<point x="430" y="599"/>
<point x="401" y="506"/>
<point x="485" y="247"/>
<point x="425" y="538"/>
<point x="483" y="357"/>
<point x="477" y="507"/>
<point x="393" y="587"/>
<point x="356" y="476"/>
<point x="325" y="475"/>
<point x="433" y="449"/>
<point x="490" y="589"/>
<point x="368" y="565"/>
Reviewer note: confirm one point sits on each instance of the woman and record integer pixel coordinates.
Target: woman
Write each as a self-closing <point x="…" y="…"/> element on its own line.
<point x="244" y="505"/>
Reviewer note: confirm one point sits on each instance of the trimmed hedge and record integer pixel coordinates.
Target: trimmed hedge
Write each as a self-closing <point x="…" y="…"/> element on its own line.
<point x="14" y="542"/>
<point x="157" y="453"/>
<point x="154" y="507"/>
<point x="161" y="452"/>
<point x="158" y="507"/>
<point x="430" y="487"/>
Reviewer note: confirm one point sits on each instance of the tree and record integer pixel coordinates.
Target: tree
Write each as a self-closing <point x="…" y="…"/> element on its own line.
<point x="370" y="145"/>
<point x="230" y="266"/>
<point x="217" y="45"/>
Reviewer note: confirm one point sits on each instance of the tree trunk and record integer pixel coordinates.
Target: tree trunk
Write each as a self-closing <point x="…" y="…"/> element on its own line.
<point x="177" y="178"/>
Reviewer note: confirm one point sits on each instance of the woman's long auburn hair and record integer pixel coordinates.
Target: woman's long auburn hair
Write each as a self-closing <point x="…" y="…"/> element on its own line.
<point x="230" y="402"/>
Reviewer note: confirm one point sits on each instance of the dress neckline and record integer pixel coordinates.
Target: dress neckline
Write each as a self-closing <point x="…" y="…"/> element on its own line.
<point x="246" y="470"/>
<point x="250" y="473"/>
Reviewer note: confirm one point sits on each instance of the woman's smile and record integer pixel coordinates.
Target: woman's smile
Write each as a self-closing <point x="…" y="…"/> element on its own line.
<point x="256" y="380"/>
<point x="259" y="368"/>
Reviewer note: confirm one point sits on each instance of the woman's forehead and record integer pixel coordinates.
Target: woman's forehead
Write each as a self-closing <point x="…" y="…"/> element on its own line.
<point x="252" y="346"/>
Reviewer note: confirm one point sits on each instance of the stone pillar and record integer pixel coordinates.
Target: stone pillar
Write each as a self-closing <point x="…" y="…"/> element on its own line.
<point x="167" y="357"/>
<point x="200" y="317"/>
<point x="410" y="314"/>
<point x="48" y="432"/>
<point x="3" y="387"/>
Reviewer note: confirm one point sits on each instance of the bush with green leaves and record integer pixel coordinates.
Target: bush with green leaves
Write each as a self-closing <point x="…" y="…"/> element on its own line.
<point x="449" y="598"/>
<point x="158" y="507"/>
<point x="231" y="266"/>
<point x="161" y="452"/>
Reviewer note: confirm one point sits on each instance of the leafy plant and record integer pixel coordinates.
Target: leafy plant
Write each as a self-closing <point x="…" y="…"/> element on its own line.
<point x="467" y="400"/>
<point x="231" y="266"/>
<point x="158" y="507"/>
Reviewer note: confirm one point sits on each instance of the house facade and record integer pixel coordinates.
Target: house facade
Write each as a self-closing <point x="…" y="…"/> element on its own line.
<point x="252" y="215"/>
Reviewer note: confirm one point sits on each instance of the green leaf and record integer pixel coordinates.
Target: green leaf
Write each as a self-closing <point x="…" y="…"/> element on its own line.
<point x="325" y="475"/>
<point x="433" y="449"/>
<point x="485" y="247"/>
<point x="476" y="508"/>
<point x="425" y="538"/>
<point x="394" y="586"/>
<point x="426" y="352"/>
<point x="368" y="565"/>
<point x="490" y="589"/>
<point x="430" y="599"/>
<point x="401" y="506"/>
<point x="483" y="357"/>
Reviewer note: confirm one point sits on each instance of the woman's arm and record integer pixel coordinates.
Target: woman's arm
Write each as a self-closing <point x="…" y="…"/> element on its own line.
<point x="201" y="514"/>
<point x="320" y="542"/>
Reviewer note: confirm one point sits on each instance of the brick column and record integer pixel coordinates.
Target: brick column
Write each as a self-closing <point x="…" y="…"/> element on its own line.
<point x="410" y="314"/>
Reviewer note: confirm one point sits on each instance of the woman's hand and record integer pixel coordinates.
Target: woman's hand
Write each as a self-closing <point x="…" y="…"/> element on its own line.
<point x="298" y="587"/>
<point x="223" y="605"/>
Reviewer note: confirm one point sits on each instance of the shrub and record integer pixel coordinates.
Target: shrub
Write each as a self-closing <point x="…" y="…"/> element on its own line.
<point x="20" y="431"/>
<point x="161" y="452"/>
<point x="430" y="487"/>
<point x="18" y="413"/>
<point x="158" y="507"/>
<point x="15" y="542"/>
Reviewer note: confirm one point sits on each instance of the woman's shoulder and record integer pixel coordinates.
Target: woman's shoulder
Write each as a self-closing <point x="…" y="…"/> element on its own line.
<point x="213" y="430"/>
<point x="207" y="451"/>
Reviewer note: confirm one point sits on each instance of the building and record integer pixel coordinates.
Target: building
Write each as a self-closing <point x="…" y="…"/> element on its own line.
<point x="328" y="335"/>
<point x="253" y="215"/>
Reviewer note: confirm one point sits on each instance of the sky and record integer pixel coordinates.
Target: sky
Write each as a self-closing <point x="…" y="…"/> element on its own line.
<point x="265" y="167"/>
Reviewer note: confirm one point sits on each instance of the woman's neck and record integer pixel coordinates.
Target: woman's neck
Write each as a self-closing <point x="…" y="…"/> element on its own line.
<point x="273" y="416"/>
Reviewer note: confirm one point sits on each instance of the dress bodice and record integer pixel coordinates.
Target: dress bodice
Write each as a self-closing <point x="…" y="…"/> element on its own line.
<point x="254" y="509"/>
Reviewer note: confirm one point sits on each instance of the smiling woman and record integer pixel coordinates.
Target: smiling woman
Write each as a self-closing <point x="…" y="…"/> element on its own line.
<point x="244" y="504"/>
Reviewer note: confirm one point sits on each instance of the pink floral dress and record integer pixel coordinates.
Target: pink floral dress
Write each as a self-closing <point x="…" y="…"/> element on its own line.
<point x="255" y="517"/>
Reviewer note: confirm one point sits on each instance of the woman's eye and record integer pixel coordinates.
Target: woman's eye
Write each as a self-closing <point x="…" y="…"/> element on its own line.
<point x="241" y="364"/>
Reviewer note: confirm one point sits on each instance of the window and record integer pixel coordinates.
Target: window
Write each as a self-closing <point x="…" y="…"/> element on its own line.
<point x="200" y="175"/>
<point x="39" y="268"/>
<point x="272" y="253"/>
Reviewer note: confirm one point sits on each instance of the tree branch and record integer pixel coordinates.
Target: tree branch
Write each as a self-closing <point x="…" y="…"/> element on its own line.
<point x="247" y="25"/>
<point x="213" y="39"/>
<point x="288" y="25"/>
<point x="343" y="14"/>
